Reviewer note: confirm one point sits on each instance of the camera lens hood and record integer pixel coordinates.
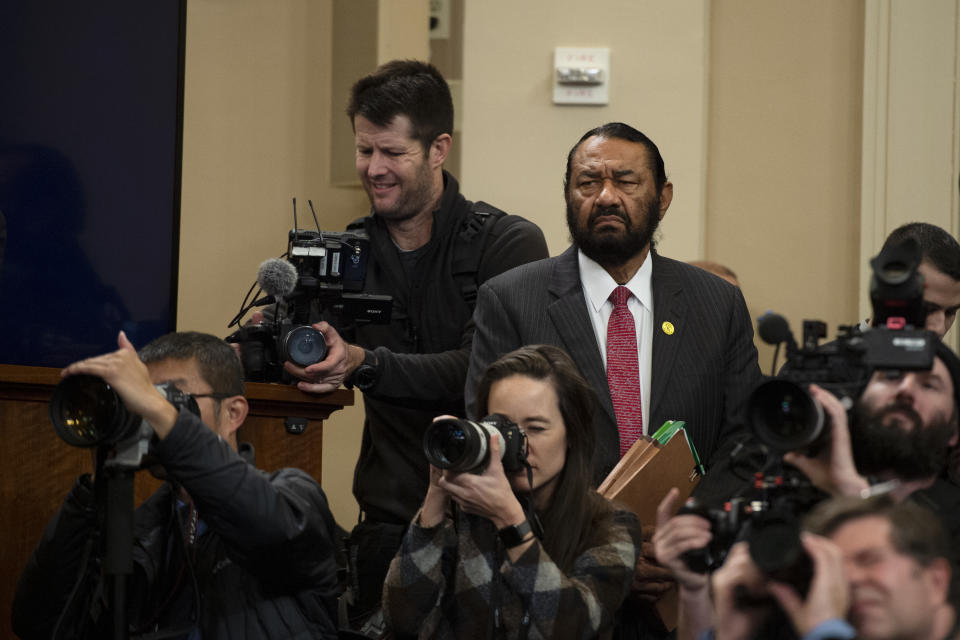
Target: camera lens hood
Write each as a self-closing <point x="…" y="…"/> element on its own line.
<point x="87" y="412"/>
<point x="784" y="416"/>
<point x="459" y="445"/>
<point x="304" y="346"/>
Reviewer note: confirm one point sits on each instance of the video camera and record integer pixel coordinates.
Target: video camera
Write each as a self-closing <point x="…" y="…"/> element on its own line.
<point x="324" y="273"/>
<point x="783" y="416"/>
<point x="87" y="412"/>
<point x="781" y="412"/>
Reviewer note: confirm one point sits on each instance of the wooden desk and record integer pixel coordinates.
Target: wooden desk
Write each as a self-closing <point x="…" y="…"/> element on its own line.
<point x="37" y="468"/>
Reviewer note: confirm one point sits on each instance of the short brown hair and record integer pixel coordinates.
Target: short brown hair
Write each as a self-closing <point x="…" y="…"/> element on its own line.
<point x="914" y="530"/>
<point x="405" y="87"/>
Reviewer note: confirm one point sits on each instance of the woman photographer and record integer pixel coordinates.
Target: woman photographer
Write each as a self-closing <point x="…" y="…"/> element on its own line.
<point x="471" y="564"/>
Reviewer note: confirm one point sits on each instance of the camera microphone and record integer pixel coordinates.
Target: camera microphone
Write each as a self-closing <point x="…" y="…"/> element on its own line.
<point x="774" y="329"/>
<point x="277" y="278"/>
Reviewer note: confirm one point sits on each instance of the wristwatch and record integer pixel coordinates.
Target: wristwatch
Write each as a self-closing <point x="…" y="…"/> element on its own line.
<point x="515" y="534"/>
<point x="364" y="376"/>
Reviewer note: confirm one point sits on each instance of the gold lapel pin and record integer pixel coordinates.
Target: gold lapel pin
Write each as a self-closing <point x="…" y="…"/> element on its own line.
<point x="667" y="328"/>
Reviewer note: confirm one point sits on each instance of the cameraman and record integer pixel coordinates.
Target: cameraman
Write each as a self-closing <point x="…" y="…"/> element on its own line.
<point x="430" y="249"/>
<point x="221" y="550"/>
<point x="880" y="573"/>
<point x="940" y="268"/>
<point x="473" y="563"/>
<point x="903" y="429"/>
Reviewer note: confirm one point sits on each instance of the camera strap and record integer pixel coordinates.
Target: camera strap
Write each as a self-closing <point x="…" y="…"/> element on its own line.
<point x="471" y="243"/>
<point x="526" y="502"/>
<point x="496" y="601"/>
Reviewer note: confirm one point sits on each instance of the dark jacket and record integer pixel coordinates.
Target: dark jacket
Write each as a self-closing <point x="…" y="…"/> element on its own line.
<point x="262" y="566"/>
<point x="423" y="352"/>
<point x="703" y="363"/>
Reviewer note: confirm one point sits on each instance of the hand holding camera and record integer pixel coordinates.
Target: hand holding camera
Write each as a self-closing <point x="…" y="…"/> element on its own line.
<point x="123" y="371"/>
<point x="329" y="373"/>
<point x="829" y="594"/>
<point x="469" y="462"/>
<point x="675" y="536"/>
<point x="738" y="587"/>
<point x="832" y="470"/>
<point x="324" y="273"/>
<point x="488" y="493"/>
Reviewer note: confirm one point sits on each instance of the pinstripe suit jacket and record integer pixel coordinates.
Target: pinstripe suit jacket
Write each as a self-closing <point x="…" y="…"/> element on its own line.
<point x="701" y="373"/>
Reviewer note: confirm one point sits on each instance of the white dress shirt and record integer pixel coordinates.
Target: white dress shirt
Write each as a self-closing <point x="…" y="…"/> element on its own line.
<point x="597" y="287"/>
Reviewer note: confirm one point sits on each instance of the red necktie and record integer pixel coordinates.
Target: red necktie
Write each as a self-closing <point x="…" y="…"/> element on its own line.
<point x="623" y="370"/>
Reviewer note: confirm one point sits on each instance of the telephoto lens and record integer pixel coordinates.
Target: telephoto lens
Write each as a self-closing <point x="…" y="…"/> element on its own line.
<point x="785" y="417"/>
<point x="304" y="346"/>
<point x="464" y="445"/>
<point x="87" y="412"/>
<point x="777" y="549"/>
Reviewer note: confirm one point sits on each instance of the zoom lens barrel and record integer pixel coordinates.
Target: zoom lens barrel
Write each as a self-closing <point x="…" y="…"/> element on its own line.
<point x="785" y="417"/>
<point x="459" y="445"/>
<point x="87" y="412"/>
<point x="776" y="548"/>
<point x="304" y="346"/>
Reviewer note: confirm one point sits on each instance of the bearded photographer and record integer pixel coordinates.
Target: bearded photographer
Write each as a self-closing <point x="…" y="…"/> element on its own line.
<point x="902" y="432"/>
<point x="430" y="249"/>
<point x="903" y="428"/>
<point x="530" y="553"/>
<point x="221" y="550"/>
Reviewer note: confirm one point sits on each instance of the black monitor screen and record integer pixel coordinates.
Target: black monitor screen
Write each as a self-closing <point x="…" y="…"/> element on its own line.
<point x="90" y="139"/>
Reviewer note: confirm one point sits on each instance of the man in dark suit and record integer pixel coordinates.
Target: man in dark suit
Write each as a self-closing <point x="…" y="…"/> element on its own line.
<point x="693" y="353"/>
<point x="702" y="361"/>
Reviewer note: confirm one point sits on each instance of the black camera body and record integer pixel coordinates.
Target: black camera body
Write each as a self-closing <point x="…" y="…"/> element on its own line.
<point x="781" y="412"/>
<point x="329" y="262"/>
<point x="331" y="270"/>
<point x="783" y="416"/>
<point x="768" y="521"/>
<point x="87" y="412"/>
<point x="327" y="275"/>
<point x="464" y="445"/>
<point x="265" y="346"/>
<point x="726" y="524"/>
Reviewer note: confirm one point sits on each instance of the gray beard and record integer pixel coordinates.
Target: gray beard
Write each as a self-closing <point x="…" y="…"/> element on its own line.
<point x="609" y="250"/>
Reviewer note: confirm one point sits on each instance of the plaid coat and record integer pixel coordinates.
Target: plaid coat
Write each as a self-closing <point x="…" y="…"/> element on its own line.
<point x="447" y="582"/>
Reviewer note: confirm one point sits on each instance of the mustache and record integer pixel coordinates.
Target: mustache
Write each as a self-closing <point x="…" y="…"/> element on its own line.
<point x="608" y="210"/>
<point x="905" y="408"/>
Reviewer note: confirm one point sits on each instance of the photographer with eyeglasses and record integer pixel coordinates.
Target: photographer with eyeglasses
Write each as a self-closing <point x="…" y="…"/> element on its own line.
<point x="221" y="550"/>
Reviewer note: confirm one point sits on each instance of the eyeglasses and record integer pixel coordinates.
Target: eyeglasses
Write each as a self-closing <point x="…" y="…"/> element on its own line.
<point x="215" y="395"/>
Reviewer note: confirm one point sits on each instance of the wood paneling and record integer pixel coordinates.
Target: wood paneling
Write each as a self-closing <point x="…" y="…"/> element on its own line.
<point x="37" y="468"/>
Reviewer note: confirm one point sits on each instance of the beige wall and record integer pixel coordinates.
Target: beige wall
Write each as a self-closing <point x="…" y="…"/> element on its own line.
<point x="257" y="115"/>
<point x="911" y="123"/>
<point x="783" y="176"/>
<point x="755" y="104"/>
<point x="515" y="140"/>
